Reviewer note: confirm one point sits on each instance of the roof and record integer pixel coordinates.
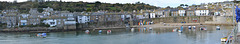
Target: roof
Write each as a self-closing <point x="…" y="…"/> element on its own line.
<point x="23" y="21"/>
<point x="166" y="10"/>
<point x="112" y="13"/>
<point x="97" y="13"/>
<point x="174" y="10"/>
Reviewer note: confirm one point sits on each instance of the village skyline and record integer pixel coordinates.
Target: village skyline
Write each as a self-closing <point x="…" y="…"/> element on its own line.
<point x="158" y="3"/>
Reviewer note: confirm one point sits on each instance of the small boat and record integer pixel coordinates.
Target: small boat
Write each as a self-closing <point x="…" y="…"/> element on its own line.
<point x="202" y="28"/>
<point x="87" y="31"/>
<point x="100" y="31"/>
<point x="150" y="28"/>
<point x="217" y="28"/>
<point x="180" y="31"/>
<point x="174" y="30"/>
<point x="194" y="27"/>
<point x="144" y="28"/>
<point x="132" y="29"/>
<point x="43" y="35"/>
<point x="109" y="31"/>
<point x="189" y="27"/>
<point x="224" y="39"/>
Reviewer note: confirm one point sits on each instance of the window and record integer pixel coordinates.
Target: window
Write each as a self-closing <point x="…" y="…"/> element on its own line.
<point x="52" y="22"/>
<point x="59" y="22"/>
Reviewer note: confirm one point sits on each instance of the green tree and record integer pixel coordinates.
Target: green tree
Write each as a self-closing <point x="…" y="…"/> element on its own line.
<point x="186" y="5"/>
<point x="182" y="5"/>
<point x="168" y="7"/>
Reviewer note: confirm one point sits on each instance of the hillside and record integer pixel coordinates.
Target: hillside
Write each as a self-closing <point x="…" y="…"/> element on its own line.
<point x="24" y="7"/>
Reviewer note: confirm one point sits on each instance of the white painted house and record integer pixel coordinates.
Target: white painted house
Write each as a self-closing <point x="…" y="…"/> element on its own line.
<point x="216" y="13"/>
<point x="70" y="21"/>
<point x="181" y="12"/>
<point x="23" y="22"/>
<point x="152" y="15"/>
<point x="202" y="12"/>
<point x="50" y="22"/>
<point x="83" y="19"/>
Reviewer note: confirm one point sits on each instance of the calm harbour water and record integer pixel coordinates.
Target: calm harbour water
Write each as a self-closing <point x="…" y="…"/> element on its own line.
<point x="122" y="36"/>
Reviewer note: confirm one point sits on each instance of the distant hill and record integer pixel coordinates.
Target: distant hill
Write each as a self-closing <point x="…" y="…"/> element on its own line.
<point x="76" y="6"/>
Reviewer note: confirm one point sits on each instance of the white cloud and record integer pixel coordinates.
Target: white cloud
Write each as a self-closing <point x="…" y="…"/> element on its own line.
<point x="159" y="3"/>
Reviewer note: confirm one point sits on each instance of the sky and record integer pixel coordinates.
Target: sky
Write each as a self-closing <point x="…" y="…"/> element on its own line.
<point x="158" y="3"/>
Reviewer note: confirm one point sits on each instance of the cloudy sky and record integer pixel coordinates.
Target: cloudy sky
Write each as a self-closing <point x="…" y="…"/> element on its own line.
<point x="159" y="3"/>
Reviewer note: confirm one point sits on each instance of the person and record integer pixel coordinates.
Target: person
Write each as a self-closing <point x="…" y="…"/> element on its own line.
<point x="182" y="27"/>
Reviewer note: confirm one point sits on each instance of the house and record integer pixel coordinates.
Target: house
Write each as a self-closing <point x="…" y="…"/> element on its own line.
<point x="152" y="15"/>
<point x="24" y="15"/>
<point x="83" y="19"/>
<point x="166" y="13"/>
<point x="159" y="13"/>
<point x="182" y="12"/>
<point x="216" y="13"/>
<point x="146" y="14"/>
<point x="54" y="21"/>
<point x="11" y="20"/>
<point x="51" y="22"/>
<point x="33" y="11"/>
<point x="139" y="16"/>
<point x="97" y="17"/>
<point x="70" y="21"/>
<point x="47" y="11"/>
<point x="190" y="12"/>
<point x="23" y="19"/>
<point x="113" y="16"/>
<point x="34" y="20"/>
<point x="23" y="22"/>
<point x="202" y="12"/>
<point x="174" y="12"/>
<point x="228" y="12"/>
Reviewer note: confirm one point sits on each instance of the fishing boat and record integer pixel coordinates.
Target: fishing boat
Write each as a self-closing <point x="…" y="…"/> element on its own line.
<point x="194" y="27"/>
<point x="174" y="30"/>
<point x="144" y="28"/>
<point x="217" y="28"/>
<point x="132" y="30"/>
<point x="189" y="27"/>
<point x="43" y="35"/>
<point x="203" y="28"/>
<point x="224" y="39"/>
<point x="100" y="31"/>
<point x="87" y="31"/>
<point x="180" y="31"/>
<point x="109" y="31"/>
<point x="150" y="28"/>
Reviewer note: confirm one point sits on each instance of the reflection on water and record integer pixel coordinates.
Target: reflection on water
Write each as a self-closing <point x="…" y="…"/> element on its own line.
<point x="122" y="36"/>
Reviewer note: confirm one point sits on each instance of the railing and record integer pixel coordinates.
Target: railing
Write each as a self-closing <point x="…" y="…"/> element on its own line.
<point x="229" y="36"/>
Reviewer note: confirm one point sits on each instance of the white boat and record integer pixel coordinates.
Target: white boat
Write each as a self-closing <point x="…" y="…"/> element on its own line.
<point x="44" y="35"/>
<point x="100" y="31"/>
<point x="109" y="31"/>
<point x="87" y="31"/>
<point x="202" y="28"/>
<point x="194" y="27"/>
<point x="174" y="30"/>
<point x="189" y="27"/>
<point x="132" y="30"/>
<point x="180" y="31"/>
<point x="150" y="28"/>
<point x="217" y="28"/>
